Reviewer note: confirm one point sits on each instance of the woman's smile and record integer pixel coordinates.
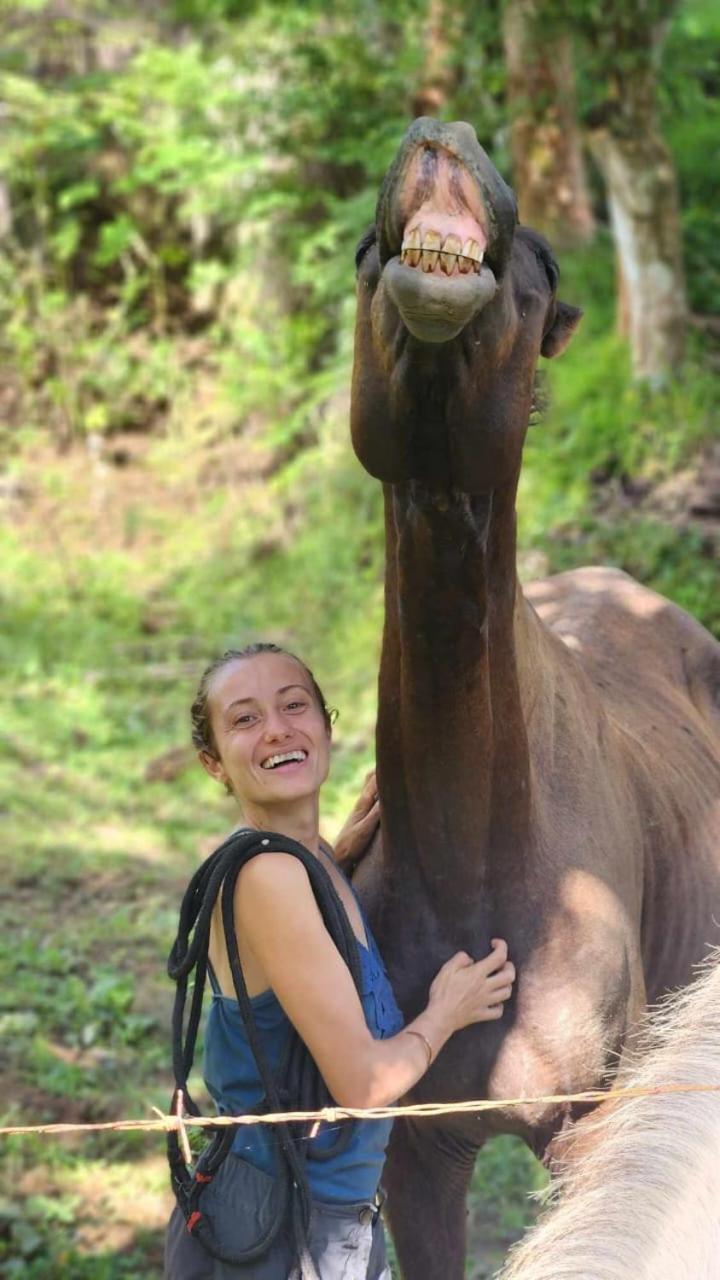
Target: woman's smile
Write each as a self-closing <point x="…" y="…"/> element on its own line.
<point x="285" y="761"/>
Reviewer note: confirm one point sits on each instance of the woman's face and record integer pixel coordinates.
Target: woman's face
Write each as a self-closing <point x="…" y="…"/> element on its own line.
<point x="269" y="730"/>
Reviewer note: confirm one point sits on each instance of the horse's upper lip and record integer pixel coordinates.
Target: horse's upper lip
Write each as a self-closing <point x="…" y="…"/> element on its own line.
<point x="443" y="180"/>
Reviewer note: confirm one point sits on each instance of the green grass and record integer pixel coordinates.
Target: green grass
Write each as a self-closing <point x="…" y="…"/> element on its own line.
<point x="104" y="640"/>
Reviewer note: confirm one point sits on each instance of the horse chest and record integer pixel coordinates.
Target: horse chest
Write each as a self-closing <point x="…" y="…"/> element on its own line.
<point x="578" y="990"/>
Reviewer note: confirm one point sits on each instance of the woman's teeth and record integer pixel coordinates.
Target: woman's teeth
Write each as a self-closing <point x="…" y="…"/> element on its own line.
<point x="285" y="757"/>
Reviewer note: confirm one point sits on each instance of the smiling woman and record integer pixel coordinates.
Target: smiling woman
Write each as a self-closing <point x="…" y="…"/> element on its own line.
<point x="263" y="730"/>
<point x="229" y="717"/>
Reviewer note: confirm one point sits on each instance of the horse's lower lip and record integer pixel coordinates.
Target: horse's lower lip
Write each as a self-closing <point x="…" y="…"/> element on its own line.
<point x="435" y="308"/>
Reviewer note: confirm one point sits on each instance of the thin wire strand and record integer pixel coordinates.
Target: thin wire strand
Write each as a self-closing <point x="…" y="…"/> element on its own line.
<point x="331" y="1115"/>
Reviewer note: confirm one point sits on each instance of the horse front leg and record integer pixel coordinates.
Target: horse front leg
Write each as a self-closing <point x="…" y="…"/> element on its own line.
<point x="427" y="1176"/>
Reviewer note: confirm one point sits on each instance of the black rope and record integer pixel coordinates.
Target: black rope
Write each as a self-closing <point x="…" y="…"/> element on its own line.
<point x="298" y="1084"/>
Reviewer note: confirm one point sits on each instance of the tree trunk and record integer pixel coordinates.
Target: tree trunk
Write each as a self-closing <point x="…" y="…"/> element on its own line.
<point x="545" y="146"/>
<point x="439" y="78"/>
<point x="644" y="208"/>
<point x="6" y="216"/>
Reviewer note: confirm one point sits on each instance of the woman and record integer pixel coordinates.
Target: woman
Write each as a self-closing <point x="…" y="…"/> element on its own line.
<point x="263" y="730"/>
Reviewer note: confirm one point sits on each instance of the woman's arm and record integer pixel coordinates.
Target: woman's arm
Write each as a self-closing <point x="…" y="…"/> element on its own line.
<point x="280" y="923"/>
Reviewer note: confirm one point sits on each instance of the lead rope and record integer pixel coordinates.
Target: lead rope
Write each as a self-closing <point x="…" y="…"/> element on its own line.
<point x="298" y="1077"/>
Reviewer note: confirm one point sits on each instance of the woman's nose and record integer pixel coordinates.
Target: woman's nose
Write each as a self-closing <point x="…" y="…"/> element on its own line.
<point x="275" y="727"/>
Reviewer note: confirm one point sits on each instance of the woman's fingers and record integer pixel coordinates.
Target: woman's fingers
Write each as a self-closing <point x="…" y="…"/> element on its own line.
<point x="500" y="996"/>
<point x="353" y="840"/>
<point x="503" y="977"/>
<point x="495" y="965"/>
<point x="475" y="991"/>
<point x="366" y="812"/>
<point x="496" y="958"/>
<point x="366" y="823"/>
<point x="368" y="795"/>
<point x="461" y="960"/>
<point x="494" y="1011"/>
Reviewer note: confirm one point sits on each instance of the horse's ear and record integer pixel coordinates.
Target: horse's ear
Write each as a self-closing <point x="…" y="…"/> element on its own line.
<point x="566" y="321"/>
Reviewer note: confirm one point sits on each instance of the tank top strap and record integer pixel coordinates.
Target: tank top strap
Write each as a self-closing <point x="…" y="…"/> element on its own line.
<point x="214" y="984"/>
<point x="353" y="890"/>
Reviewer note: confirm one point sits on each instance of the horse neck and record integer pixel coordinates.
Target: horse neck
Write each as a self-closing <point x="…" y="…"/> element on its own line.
<point x="452" y="749"/>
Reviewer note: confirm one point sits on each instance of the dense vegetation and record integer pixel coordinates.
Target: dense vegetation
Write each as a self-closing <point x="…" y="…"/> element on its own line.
<point x="181" y="190"/>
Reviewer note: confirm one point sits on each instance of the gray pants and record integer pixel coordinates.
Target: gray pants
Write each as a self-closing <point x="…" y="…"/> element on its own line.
<point x="346" y="1242"/>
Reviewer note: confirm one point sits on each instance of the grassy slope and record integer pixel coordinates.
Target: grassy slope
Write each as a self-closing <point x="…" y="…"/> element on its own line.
<point x="117" y="585"/>
<point x="118" y="588"/>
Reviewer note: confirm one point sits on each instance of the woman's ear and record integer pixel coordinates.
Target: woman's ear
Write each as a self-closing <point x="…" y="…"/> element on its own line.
<point x="214" y="767"/>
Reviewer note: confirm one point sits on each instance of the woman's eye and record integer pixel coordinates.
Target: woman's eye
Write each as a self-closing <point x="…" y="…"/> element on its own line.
<point x="296" y="706"/>
<point x="243" y="720"/>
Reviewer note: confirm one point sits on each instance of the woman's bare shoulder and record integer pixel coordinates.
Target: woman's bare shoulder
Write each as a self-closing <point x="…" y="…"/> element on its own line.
<point x="275" y="903"/>
<point x="269" y="875"/>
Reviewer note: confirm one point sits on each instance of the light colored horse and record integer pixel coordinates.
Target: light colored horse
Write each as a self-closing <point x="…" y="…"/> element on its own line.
<point x="642" y="1199"/>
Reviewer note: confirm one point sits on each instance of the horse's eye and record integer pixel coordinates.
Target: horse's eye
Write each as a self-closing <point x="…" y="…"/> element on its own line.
<point x="366" y="242"/>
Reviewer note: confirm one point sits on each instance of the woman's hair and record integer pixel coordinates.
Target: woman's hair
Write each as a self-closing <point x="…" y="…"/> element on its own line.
<point x="201" y="727"/>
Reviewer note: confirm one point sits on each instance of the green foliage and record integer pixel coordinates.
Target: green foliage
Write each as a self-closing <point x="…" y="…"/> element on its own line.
<point x="156" y="186"/>
<point x="506" y="1174"/>
<point x="691" y="121"/>
<point x="605" y="445"/>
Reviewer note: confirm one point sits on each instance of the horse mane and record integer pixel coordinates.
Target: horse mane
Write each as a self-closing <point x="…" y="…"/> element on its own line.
<point x="641" y="1201"/>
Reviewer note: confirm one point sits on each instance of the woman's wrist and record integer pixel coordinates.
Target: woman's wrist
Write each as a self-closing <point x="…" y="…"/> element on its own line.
<point x="432" y="1028"/>
<point x="420" y="1035"/>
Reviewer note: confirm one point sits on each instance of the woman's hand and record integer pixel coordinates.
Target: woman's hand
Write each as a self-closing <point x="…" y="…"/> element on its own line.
<point x="464" y="992"/>
<point x="356" y="834"/>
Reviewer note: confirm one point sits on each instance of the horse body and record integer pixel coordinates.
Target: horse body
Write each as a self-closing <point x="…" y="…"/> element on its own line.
<point x="656" y="672"/>
<point x="547" y="763"/>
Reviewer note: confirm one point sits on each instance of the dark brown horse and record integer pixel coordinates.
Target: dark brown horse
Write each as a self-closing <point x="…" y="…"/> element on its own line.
<point x="548" y="761"/>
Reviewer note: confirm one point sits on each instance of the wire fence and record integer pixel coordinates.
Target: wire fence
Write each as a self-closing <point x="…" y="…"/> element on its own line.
<point x="180" y="1122"/>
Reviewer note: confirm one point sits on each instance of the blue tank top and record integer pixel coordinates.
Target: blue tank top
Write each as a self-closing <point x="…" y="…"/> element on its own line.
<point x="233" y="1082"/>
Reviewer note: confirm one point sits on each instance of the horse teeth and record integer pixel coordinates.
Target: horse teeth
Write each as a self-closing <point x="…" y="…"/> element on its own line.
<point x="411" y="247"/>
<point x="427" y="249"/>
<point x="452" y="247"/>
<point x="430" y="250"/>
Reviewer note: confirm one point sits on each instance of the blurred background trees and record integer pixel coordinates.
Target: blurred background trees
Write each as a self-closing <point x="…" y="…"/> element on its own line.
<point x="546" y="145"/>
<point x="152" y="156"/>
<point x="182" y="185"/>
